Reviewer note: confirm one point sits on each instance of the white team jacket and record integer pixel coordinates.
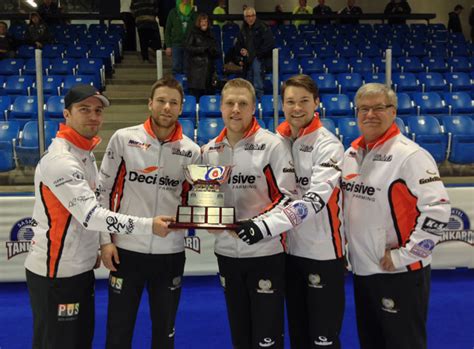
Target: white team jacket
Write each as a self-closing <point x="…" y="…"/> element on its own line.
<point x="140" y="175"/>
<point x="66" y="212"/>
<point x="393" y="199"/>
<point x="316" y="217"/>
<point x="262" y="181"/>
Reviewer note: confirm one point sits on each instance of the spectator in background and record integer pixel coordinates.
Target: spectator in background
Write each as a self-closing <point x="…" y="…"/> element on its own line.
<point x="350" y="9"/>
<point x="37" y="33"/>
<point x="278" y="11"/>
<point x="454" y="22"/>
<point x="179" y="23"/>
<point x="302" y="9"/>
<point x="471" y="23"/>
<point x="322" y="9"/>
<point x="201" y="52"/>
<point x="6" y="42"/>
<point x="219" y="10"/>
<point x="397" y="7"/>
<point x="145" y="12"/>
<point x="255" y="43"/>
<point x="130" y="42"/>
<point x="50" y="12"/>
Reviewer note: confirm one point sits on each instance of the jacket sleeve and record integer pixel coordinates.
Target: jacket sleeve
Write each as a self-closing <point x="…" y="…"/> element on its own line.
<point x="267" y="43"/>
<point x="281" y="181"/>
<point x="109" y="179"/>
<point x="420" y="173"/>
<point x="68" y="183"/>
<point x="325" y="176"/>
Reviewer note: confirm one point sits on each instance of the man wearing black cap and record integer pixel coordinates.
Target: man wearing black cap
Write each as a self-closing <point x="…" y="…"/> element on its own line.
<point x="454" y="22"/>
<point x="67" y="216"/>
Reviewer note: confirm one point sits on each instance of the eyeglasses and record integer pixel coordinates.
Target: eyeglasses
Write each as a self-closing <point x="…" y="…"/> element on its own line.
<point x="249" y="16"/>
<point x="377" y="109"/>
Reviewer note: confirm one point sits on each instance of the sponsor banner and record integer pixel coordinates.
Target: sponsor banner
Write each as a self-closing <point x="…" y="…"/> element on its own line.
<point x="455" y="249"/>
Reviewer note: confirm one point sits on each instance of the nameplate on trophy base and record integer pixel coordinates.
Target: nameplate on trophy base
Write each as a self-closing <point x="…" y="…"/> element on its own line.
<point x="205" y="206"/>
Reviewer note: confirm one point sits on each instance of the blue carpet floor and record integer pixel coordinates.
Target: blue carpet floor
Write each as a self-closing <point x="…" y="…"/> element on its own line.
<point x="202" y="319"/>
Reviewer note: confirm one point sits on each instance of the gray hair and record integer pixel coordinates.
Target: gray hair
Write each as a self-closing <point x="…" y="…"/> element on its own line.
<point x="375" y="89"/>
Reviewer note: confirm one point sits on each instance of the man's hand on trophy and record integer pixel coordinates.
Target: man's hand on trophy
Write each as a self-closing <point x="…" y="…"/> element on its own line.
<point x="249" y="232"/>
<point x="160" y="225"/>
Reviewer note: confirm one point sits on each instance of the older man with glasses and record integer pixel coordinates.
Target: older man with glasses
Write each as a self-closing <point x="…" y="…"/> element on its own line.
<point x="395" y="207"/>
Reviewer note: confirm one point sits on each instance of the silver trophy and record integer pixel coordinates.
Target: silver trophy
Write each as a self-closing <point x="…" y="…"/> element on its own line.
<point x="205" y="207"/>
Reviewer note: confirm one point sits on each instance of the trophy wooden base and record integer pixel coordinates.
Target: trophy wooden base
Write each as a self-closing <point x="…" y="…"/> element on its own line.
<point x="209" y="218"/>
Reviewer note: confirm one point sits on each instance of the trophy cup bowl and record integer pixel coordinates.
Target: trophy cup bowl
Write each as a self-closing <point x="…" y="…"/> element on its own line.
<point x="205" y="209"/>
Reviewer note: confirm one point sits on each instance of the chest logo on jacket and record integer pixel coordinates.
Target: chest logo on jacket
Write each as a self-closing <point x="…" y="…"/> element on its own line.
<point x="138" y="144"/>
<point x="306" y="148"/>
<point x="179" y="152"/>
<point x="256" y="146"/>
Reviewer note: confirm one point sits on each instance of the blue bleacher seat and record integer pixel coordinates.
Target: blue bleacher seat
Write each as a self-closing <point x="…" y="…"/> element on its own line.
<point x="405" y="82"/>
<point x="106" y="52"/>
<point x="336" y="65"/>
<point x="429" y="103"/>
<point x="437" y="50"/>
<point x="347" y="50"/>
<point x="62" y="66"/>
<point x="432" y="82"/>
<point x="24" y="108"/>
<point x="26" y="51"/>
<point x="459" y="64"/>
<point x="415" y="49"/>
<point x="435" y="64"/>
<point x="302" y="50"/>
<point x="18" y="85"/>
<point x="8" y="134"/>
<point x="312" y="65"/>
<point x="94" y="67"/>
<point x="459" y="102"/>
<point x="426" y="131"/>
<point x="376" y="77"/>
<point x="401" y="125"/>
<point x="329" y="125"/>
<point x="54" y="107"/>
<point x="324" y="52"/>
<point x="267" y="106"/>
<point x="30" y="66"/>
<point x="11" y="66"/>
<point x="189" y="107"/>
<point x="71" y="80"/>
<point x="458" y="81"/>
<point x="289" y="65"/>
<point x="53" y="51"/>
<point x="271" y="123"/>
<point x="209" y="106"/>
<point x="2" y="81"/>
<point x="183" y="80"/>
<point x="336" y="105"/>
<point x="188" y="127"/>
<point x="458" y="49"/>
<point x="51" y="86"/>
<point x="326" y="83"/>
<point x="349" y="82"/>
<point x="27" y="149"/>
<point x="461" y="132"/>
<point x="5" y="105"/>
<point x="380" y="65"/>
<point x="362" y="65"/>
<point x="410" y="64"/>
<point x="348" y="130"/>
<point x="405" y="105"/>
<point x="208" y="128"/>
<point x="369" y="50"/>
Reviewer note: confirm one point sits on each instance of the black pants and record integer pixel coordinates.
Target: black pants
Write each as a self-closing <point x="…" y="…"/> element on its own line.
<point x="63" y="310"/>
<point x="254" y="294"/>
<point x="130" y="42"/>
<point x="315" y="302"/>
<point x="161" y="274"/>
<point x="391" y="309"/>
<point x="149" y="38"/>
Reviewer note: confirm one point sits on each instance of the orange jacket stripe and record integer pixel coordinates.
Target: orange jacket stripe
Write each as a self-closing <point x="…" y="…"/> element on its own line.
<point x="335" y="223"/>
<point x="273" y="191"/>
<point x="403" y="209"/>
<point x="116" y="193"/>
<point x="59" y="219"/>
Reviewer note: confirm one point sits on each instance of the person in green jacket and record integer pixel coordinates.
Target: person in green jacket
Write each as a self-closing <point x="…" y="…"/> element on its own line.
<point x="180" y="21"/>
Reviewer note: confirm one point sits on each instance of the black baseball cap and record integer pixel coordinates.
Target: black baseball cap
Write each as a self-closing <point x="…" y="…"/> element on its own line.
<point x="80" y="92"/>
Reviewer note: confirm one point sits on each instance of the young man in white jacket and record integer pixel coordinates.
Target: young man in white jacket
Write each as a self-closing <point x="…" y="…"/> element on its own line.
<point x="395" y="207"/>
<point x="143" y="173"/>
<point x="67" y="216"/>
<point x="262" y="181"/>
<point x="315" y="261"/>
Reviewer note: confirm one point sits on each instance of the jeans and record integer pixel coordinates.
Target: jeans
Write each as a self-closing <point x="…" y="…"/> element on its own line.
<point x="178" y="59"/>
<point x="255" y="76"/>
